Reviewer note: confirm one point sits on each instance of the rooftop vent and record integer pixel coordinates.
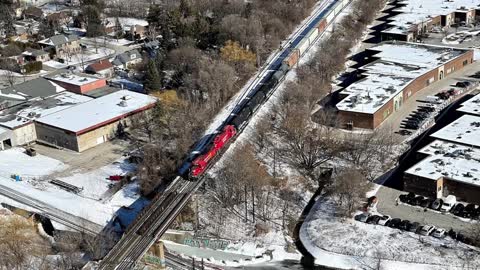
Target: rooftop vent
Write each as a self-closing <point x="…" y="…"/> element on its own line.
<point x="127" y="97"/>
<point x="122" y="103"/>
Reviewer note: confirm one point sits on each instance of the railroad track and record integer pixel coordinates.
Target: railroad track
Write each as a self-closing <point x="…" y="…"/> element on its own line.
<point x="67" y="219"/>
<point x="157" y="217"/>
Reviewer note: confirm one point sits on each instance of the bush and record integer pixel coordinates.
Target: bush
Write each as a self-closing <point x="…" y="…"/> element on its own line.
<point x="33" y="67"/>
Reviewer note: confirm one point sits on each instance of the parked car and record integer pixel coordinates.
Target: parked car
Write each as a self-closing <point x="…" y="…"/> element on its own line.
<point x="452" y="234"/>
<point x="413" y="227"/>
<point x="426" y="202"/>
<point x="448" y="203"/>
<point x="417" y="201"/>
<point x="439" y="233"/>
<point x="384" y="220"/>
<point x="373" y="219"/>
<point x="458" y="209"/>
<point x="362" y="217"/>
<point x="470" y="210"/>
<point x="405" y="132"/>
<point x="404" y="225"/>
<point x="403" y="198"/>
<point x="426" y="229"/>
<point x="394" y="223"/>
<point x="463" y="84"/>
<point x="437" y="204"/>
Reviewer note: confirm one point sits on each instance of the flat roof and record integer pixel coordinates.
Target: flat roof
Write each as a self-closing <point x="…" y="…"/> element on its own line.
<point x="399" y="64"/>
<point x="98" y="111"/>
<point x="465" y="130"/>
<point x="27" y="112"/>
<point x="418" y="11"/>
<point x="74" y="79"/>
<point x="471" y="106"/>
<point x="454" y="161"/>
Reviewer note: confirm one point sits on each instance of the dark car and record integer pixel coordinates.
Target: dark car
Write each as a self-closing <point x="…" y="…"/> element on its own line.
<point x="426" y="202"/>
<point x="460" y="237"/>
<point x="394" y="223"/>
<point x="457" y="210"/>
<point x="404" y="225"/>
<point x="463" y="84"/>
<point x="405" y="132"/>
<point x="403" y="198"/>
<point x="413" y="227"/>
<point x="417" y="201"/>
<point x="436" y="204"/>
<point x="373" y="219"/>
<point x="470" y="210"/>
<point x="452" y="234"/>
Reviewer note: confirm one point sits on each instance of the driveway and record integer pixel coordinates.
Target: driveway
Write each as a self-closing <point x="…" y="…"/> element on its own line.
<point x="387" y="205"/>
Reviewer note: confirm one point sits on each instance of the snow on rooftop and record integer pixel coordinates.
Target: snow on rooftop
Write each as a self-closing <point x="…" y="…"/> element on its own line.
<point x="97" y="111"/>
<point x="400" y="63"/>
<point x="464" y="130"/>
<point x="73" y="79"/>
<point x="471" y="106"/>
<point x="453" y="161"/>
<point x="24" y="113"/>
<point x="127" y="22"/>
<point x="421" y="11"/>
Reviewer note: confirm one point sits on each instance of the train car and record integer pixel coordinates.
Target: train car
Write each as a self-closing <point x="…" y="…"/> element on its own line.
<point x="322" y="25"/>
<point x="338" y="7"/>
<point x="200" y="164"/>
<point x="303" y="46"/>
<point x="312" y="35"/>
<point x="330" y="16"/>
<point x="292" y="59"/>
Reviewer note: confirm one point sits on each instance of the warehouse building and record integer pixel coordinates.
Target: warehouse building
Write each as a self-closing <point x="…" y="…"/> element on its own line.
<point x="17" y="122"/>
<point x="410" y="19"/>
<point x="77" y="83"/>
<point x="101" y="120"/>
<point x="391" y="73"/>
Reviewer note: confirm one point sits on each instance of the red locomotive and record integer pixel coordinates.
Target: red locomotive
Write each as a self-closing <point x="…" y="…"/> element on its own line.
<point x="200" y="163"/>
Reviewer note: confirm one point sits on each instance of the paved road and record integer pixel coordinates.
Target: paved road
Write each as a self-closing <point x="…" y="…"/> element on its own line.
<point x="388" y="206"/>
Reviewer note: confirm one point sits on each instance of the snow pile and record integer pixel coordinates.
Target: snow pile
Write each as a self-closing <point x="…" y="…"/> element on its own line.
<point x="351" y="244"/>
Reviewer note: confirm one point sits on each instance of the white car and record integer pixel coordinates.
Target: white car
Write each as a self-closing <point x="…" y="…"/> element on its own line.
<point x="448" y="203"/>
<point x="383" y="220"/>
<point x="426" y="230"/>
<point x="439" y="233"/>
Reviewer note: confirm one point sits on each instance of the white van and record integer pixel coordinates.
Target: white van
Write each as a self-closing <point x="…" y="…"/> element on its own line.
<point x="432" y="99"/>
<point x="448" y="203"/>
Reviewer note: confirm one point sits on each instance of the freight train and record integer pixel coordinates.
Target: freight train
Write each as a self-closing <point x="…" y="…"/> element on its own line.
<point x="198" y="161"/>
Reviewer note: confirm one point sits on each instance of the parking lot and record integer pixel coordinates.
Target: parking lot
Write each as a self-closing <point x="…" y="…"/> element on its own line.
<point x="387" y="205"/>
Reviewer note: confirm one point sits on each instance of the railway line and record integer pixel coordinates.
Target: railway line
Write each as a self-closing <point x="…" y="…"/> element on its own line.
<point x="155" y="219"/>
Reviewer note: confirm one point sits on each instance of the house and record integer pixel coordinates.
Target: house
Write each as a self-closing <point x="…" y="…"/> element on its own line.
<point x="127" y="59"/>
<point x="102" y="67"/>
<point x="35" y="55"/>
<point x="58" y="18"/>
<point x="102" y="119"/>
<point x="20" y="93"/>
<point x="33" y="12"/>
<point x="384" y="81"/>
<point x="131" y="27"/>
<point x="77" y="83"/>
<point x="62" y="46"/>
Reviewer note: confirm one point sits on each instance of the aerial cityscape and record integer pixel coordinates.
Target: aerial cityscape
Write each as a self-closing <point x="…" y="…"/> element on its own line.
<point x="233" y="134"/>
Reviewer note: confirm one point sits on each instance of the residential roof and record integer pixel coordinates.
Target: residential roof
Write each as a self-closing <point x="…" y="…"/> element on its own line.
<point x="34" y="52"/>
<point x="28" y="111"/>
<point x="398" y="64"/>
<point x="125" y="21"/>
<point x="445" y="159"/>
<point x="465" y="130"/>
<point x="98" y="112"/>
<point x="471" y="106"/>
<point x="421" y="11"/>
<point x="39" y="87"/>
<point x="74" y="79"/>
<point x="99" y="66"/>
<point x="126" y="57"/>
<point x="58" y="40"/>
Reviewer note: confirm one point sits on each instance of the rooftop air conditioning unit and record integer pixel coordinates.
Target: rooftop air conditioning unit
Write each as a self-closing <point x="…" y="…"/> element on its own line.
<point x="127" y="97"/>
<point x="122" y="103"/>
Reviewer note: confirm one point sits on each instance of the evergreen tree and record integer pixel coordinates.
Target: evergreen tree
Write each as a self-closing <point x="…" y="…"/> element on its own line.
<point x="45" y="29"/>
<point x="7" y="17"/>
<point x="152" y="77"/>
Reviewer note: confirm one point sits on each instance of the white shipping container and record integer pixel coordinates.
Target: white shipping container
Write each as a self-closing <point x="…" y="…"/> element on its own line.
<point x="303" y="45"/>
<point x="312" y="35"/>
<point x="338" y="8"/>
<point x="346" y="2"/>
<point x="330" y="17"/>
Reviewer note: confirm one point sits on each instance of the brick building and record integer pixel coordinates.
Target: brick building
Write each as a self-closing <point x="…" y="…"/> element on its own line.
<point x="391" y="73"/>
<point x="101" y="120"/>
<point x="410" y="19"/>
<point x="76" y="83"/>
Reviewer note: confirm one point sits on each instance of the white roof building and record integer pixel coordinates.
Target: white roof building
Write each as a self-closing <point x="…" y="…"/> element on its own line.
<point x="465" y="130"/>
<point x="471" y="106"/>
<point x="98" y="112"/>
<point x="398" y="65"/>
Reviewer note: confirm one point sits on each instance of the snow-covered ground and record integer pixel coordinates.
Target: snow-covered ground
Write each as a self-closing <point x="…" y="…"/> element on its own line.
<point x="348" y="244"/>
<point x="36" y="171"/>
<point x="89" y="55"/>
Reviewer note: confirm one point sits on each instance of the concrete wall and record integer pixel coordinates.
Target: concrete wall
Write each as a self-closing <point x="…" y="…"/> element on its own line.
<point x="23" y="135"/>
<point x="56" y="136"/>
<point x="77" y="89"/>
<point x="464" y="192"/>
<point x="420" y="186"/>
<point x="97" y="136"/>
